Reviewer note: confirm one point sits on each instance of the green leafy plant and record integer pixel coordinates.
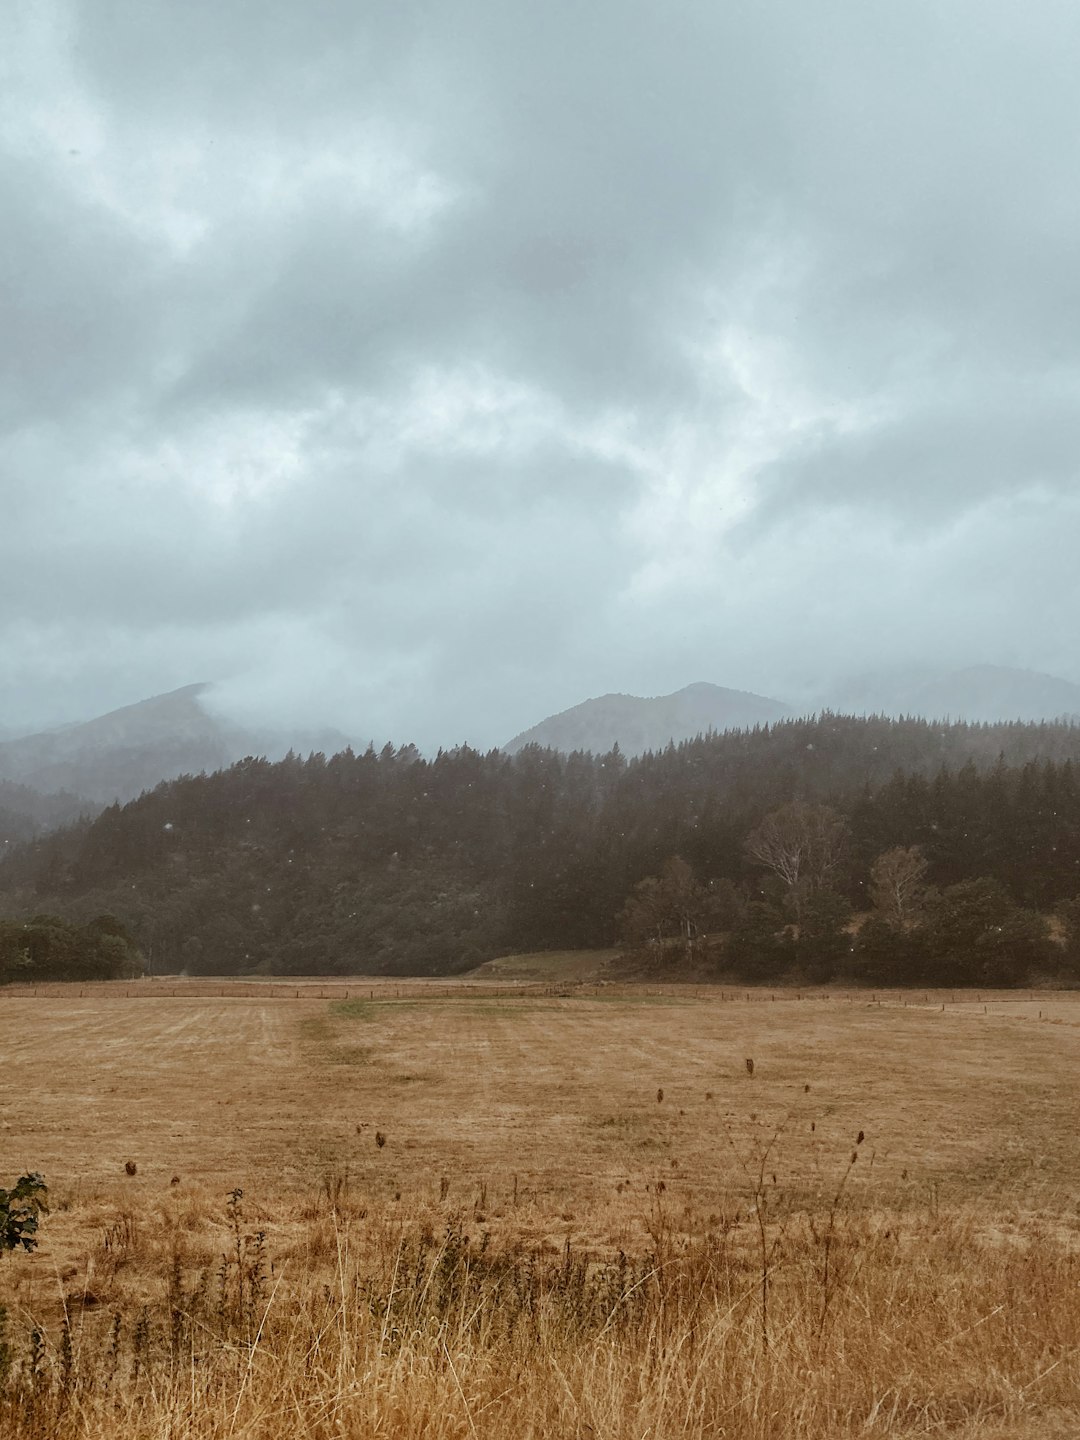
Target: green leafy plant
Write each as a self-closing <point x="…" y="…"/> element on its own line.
<point x="19" y="1210"/>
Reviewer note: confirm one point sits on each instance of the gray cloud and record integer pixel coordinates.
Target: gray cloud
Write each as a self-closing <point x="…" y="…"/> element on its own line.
<point x="424" y="369"/>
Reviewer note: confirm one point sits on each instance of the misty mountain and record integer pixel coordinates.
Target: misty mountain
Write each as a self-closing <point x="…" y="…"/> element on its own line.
<point x="640" y="724"/>
<point x="53" y="776"/>
<point x="119" y="755"/>
<point x="987" y="693"/>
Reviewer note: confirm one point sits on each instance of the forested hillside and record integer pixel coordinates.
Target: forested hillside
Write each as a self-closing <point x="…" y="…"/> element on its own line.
<point x="26" y="812"/>
<point x="390" y="862"/>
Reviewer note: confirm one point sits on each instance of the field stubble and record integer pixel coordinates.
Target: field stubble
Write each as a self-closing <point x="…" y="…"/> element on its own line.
<point x="470" y="1213"/>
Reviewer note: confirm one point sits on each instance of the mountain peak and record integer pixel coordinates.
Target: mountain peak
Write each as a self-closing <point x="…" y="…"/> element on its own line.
<point x="127" y="750"/>
<point x="640" y="723"/>
<point x="134" y="748"/>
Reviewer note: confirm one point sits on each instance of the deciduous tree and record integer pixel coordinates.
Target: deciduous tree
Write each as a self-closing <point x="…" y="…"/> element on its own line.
<point x="897" y="884"/>
<point x="804" y="845"/>
<point x="665" y="906"/>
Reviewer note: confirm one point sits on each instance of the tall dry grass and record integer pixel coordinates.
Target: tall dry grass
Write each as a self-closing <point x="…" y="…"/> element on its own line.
<point x="194" y="1320"/>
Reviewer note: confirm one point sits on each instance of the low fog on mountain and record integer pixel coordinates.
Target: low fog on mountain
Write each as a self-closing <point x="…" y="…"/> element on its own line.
<point x="420" y="372"/>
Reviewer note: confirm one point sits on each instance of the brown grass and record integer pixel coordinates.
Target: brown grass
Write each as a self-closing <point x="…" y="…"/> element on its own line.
<point x="538" y="1247"/>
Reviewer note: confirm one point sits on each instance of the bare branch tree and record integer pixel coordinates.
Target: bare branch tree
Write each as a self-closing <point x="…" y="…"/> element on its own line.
<point x="897" y="883"/>
<point x="803" y="844"/>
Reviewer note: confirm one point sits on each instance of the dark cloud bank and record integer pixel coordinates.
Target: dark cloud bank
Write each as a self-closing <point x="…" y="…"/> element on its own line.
<point x="423" y="369"/>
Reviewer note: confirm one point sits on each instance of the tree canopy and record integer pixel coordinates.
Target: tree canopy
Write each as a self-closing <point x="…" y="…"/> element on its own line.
<point x="389" y="861"/>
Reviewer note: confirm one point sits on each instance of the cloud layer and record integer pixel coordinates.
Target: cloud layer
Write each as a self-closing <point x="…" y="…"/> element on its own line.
<point x="423" y="370"/>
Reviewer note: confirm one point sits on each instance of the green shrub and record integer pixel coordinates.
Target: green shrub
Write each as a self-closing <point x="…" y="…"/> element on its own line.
<point x="19" y="1210"/>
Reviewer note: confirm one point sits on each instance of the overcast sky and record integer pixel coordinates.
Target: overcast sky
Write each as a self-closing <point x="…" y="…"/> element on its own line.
<point x="424" y="368"/>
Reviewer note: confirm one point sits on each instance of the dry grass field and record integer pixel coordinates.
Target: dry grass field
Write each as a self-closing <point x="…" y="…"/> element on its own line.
<point x="474" y="1209"/>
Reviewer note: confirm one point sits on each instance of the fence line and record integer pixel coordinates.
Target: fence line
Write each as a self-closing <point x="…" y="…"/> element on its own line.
<point x="381" y="991"/>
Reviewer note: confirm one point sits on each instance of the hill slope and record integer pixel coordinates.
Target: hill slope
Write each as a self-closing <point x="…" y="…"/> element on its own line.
<point x="118" y="755"/>
<point x="26" y="813"/>
<point x="639" y="724"/>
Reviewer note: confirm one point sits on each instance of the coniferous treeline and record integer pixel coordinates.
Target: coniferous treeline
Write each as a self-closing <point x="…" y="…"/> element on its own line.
<point x="387" y="861"/>
<point x="25" y="812"/>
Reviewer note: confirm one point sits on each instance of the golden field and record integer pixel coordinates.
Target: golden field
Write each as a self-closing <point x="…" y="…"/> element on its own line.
<point x="494" y="1209"/>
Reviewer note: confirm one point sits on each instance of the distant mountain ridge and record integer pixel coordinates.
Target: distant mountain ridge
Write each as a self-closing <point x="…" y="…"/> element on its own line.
<point x="986" y="693"/>
<point x="131" y="749"/>
<point x="974" y="693"/>
<point x="639" y="723"/>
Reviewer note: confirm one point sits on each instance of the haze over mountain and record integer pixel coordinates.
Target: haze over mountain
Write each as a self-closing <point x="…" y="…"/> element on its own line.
<point x="26" y="813"/>
<point x="118" y="755"/>
<point x="131" y="749"/>
<point x="976" y="692"/>
<point x="639" y="724"/>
